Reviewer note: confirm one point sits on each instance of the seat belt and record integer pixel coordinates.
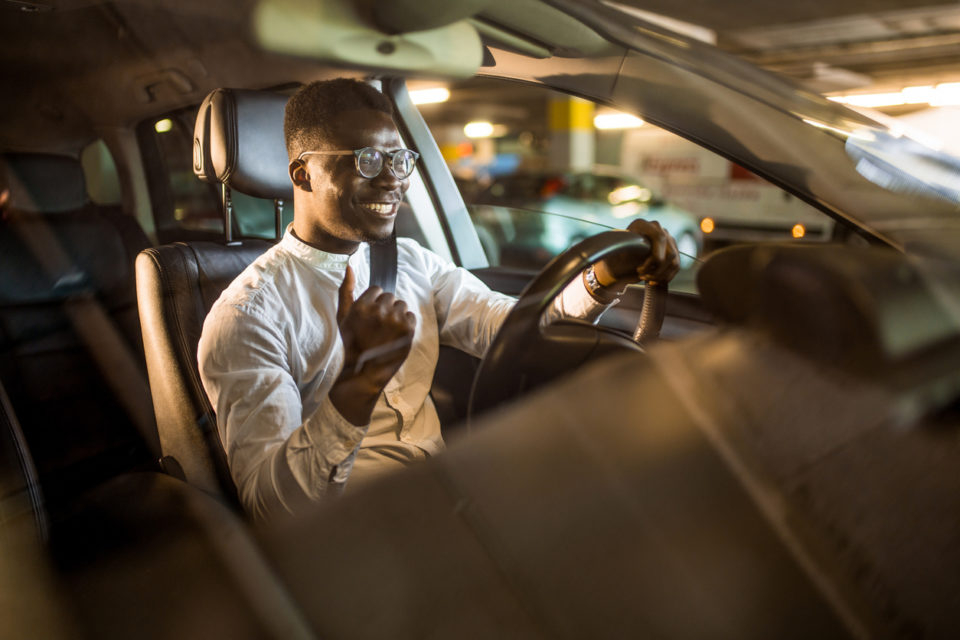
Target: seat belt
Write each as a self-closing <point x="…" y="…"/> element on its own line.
<point x="383" y="264"/>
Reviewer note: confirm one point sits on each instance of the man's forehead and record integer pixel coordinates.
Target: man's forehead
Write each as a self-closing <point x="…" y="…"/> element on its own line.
<point x="365" y="128"/>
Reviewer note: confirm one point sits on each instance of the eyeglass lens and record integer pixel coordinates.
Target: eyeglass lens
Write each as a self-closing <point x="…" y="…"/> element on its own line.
<point x="370" y="163"/>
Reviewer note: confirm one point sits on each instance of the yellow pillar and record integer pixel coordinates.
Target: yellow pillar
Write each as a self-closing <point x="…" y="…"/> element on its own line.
<point x="572" y="142"/>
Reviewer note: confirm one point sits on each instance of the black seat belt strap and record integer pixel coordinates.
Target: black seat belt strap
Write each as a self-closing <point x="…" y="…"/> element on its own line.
<point x="383" y="264"/>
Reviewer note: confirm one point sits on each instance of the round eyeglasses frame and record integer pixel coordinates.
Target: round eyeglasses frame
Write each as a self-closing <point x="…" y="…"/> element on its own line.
<point x="380" y="154"/>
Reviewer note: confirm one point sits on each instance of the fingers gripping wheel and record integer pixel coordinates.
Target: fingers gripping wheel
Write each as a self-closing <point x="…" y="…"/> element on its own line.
<point x="525" y="354"/>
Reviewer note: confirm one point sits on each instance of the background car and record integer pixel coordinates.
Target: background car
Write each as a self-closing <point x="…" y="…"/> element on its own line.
<point x="575" y="198"/>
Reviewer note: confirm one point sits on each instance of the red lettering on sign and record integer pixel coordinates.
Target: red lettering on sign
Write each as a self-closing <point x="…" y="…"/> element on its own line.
<point x="664" y="166"/>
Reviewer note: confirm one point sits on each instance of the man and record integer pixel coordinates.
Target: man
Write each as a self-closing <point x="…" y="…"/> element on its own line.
<point x="313" y="383"/>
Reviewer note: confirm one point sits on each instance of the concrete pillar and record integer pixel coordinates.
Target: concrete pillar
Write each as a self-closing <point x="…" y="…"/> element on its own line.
<point x="572" y="144"/>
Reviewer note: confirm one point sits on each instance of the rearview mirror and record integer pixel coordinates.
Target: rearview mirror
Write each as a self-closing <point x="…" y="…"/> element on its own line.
<point x="334" y="31"/>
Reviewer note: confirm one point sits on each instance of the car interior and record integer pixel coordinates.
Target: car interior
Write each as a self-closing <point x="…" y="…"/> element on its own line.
<point x="772" y="455"/>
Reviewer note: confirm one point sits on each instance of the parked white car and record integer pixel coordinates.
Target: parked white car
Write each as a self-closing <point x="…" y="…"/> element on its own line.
<point x="581" y="202"/>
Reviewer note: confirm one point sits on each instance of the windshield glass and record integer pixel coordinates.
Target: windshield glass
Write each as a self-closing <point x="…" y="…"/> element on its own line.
<point x="526" y="240"/>
<point x="775" y="127"/>
<point x="905" y="165"/>
<point x="549" y="170"/>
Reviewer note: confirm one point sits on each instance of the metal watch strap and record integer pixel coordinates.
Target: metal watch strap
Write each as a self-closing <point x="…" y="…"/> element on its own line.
<point x="596" y="290"/>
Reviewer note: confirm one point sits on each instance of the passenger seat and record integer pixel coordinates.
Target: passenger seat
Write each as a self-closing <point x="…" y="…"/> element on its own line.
<point x="65" y="258"/>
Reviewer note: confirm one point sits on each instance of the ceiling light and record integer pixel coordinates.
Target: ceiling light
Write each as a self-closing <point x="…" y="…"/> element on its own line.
<point x="942" y="95"/>
<point x="872" y="99"/>
<point x="616" y="120"/>
<point x="478" y="129"/>
<point x="430" y="96"/>
<point x="162" y="126"/>
<point x="947" y="95"/>
<point x="918" y="95"/>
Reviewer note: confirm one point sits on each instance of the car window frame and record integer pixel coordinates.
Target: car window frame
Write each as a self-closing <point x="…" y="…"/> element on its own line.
<point x="462" y="238"/>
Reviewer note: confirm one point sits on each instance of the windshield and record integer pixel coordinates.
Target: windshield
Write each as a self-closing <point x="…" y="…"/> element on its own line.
<point x="526" y="239"/>
<point x="904" y="165"/>
<point x="776" y="128"/>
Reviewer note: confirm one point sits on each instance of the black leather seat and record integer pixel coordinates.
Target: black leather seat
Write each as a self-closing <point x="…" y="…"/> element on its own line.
<point x="67" y="309"/>
<point x="238" y="142"/>
<point x="176" y="285"/>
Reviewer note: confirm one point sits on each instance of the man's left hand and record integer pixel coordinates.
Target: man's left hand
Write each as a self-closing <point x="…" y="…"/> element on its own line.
<point x="661" y="265"/>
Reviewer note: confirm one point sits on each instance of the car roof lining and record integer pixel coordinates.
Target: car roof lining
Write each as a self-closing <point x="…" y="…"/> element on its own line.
<point x="63" y="65"/>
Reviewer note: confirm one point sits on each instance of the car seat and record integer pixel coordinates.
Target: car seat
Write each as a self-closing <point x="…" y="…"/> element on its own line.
<point x="238" y="144"/>
<point x="70" y="354"/>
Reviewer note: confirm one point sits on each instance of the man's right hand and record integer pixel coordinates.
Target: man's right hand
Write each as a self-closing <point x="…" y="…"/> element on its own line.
<point x="377" y="332"/>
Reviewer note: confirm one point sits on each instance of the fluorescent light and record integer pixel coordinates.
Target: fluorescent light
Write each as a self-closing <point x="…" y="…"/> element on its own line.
<point x="872" y="99"/>
<point x="943" y="95"/>
<point x="430" y="96"/>
<point x="947" y="95"/>
<point x="162" y="126"/>
<point x="478" y="129"/>
<point x="918" y="95"/>
<point x="616" y="120"/>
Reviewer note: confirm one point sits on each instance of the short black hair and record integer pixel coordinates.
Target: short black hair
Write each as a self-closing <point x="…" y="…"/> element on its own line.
<point x="308" y="118"/>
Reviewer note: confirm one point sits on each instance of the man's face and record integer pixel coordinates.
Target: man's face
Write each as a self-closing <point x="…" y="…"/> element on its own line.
<point x="344" y="207"/>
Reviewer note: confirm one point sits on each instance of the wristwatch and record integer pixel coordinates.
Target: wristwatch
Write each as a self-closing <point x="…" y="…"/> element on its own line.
<point x="596" y="290"/>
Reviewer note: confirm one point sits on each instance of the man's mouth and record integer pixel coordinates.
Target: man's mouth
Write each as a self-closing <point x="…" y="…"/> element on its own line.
<point x="384" y="209"/>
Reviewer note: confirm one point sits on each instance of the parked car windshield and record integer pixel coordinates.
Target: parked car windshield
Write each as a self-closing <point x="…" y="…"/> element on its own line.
<point x="541" y="175"/>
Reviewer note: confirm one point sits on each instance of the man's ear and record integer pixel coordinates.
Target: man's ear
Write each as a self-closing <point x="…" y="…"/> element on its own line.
<point x="299" y="175"/>
<point x="4" y="198"/>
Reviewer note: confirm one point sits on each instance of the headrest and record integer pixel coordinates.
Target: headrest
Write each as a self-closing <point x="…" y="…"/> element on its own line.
<point x="238" y="141"/>
<point x="860" y="308"/>
<point x="45" y="183"/>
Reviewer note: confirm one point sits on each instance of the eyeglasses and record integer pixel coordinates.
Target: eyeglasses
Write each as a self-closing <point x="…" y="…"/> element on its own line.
<point x="370" y="160"/>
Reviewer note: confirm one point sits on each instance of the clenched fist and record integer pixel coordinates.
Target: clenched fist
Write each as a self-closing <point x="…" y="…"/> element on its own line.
<point x="377" y="332"/>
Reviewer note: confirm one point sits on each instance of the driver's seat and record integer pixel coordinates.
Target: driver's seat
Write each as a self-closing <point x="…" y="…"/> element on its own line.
<point x="239" y="144"/>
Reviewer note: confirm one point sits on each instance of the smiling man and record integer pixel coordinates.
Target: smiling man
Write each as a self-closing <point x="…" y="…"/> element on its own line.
<point x="317" y="377"/>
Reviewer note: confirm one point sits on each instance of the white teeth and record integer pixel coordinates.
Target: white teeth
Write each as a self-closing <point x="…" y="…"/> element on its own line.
<point x="379" y="207"/>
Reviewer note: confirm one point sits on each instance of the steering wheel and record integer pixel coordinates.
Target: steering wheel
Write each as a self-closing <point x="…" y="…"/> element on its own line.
<point x="525" y="355"/>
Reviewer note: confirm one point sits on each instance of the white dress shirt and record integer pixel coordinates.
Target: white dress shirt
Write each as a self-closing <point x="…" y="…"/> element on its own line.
<point x="271" y="349"/>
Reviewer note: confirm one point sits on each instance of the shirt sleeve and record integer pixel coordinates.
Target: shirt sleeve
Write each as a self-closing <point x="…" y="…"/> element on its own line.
<point x="277" y="457"/>
<point x="469" y="313"/>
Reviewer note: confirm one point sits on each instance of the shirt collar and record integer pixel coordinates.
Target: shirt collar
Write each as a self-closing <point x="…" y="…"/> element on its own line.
<point x="311" y="255"/>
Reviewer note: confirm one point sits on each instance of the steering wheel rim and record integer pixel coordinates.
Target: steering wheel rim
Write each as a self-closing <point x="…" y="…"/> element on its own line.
<point x="521" y="330"/>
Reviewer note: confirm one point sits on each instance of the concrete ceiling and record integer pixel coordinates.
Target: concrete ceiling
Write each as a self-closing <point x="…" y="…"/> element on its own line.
<point x="834" y="45"/>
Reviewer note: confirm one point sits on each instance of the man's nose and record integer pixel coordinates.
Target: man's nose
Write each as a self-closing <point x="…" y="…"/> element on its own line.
<point x="386" y="180"/>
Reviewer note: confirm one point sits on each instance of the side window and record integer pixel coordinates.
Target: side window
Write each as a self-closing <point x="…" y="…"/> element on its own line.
<point x="535" y="138"/>
<point x="100" y="173"/>
<point x="185" y="208"/>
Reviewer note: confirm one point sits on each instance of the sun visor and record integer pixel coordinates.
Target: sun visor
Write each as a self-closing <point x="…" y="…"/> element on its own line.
<point x="336" y="32"/>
